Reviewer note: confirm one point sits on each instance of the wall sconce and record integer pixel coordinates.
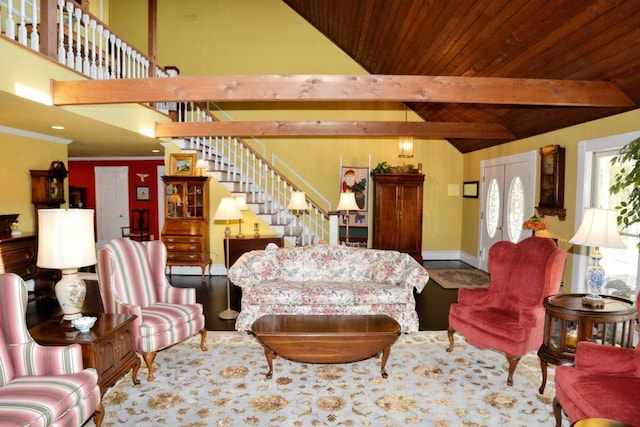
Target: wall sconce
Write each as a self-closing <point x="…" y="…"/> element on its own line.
<point x="298" y="205"/>
<point x="405" y="147"/>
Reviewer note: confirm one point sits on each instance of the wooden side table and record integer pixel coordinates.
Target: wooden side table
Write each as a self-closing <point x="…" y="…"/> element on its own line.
<point x="108" y="346"/>
<point x="567" y="322"/>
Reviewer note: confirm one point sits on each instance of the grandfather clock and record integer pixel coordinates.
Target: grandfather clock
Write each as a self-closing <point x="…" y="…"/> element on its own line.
<point x="47" y="187"/>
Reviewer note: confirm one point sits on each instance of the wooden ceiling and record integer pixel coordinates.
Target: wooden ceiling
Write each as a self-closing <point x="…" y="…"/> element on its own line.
<point x="597" y="40"/>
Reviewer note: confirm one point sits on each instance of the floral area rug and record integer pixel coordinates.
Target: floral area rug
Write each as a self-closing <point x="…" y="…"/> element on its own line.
<point x="460" y="278"/>
<point x="226" y="386"/>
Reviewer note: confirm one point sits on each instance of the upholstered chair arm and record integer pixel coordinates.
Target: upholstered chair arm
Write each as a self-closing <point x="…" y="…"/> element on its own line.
<point x="31" y="358"/>
<point x="136" y="310"/>
<point x="529" y="317"/>
<point x="175" y="295"/>
<point x="473" y="296"/>
<point x="607" y="360"/>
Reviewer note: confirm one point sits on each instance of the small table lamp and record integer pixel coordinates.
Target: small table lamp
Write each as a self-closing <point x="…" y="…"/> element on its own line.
<point x="242" y="206"/>
<point x="66" y="241"/>
<point x="599" y="228"/>
<point x="347" y="203"/>
<point x="227" y="210"/>
<point x="298" y="205"/>
<point x="534" y="224"/>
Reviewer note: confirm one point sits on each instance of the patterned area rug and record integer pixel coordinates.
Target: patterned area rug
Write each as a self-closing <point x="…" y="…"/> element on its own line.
<point x="460" y="278"/>
<point x="226" y="386"/>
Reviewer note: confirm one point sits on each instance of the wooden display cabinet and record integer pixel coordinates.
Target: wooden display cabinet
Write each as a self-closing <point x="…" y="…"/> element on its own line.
<point x="397" y="213"/>
<point x="186" y="227"/>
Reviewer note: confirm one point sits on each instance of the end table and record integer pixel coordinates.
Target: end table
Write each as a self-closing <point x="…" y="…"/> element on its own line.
<point x="108" y="346"/>
<point x="567" y="322"/>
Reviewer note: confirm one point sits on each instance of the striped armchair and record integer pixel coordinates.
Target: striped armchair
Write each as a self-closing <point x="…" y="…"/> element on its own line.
<point x="132" y="280"/>
<point x="40" y="385"/>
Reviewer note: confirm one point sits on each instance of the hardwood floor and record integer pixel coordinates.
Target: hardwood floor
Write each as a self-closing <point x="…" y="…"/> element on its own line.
<point x="432" y="304"/>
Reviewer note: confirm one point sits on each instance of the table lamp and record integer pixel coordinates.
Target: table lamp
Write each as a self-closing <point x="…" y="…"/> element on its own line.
<point x="242" y="206"/>
<point x="227" y="210"/>
<point x="534" y="224"/>
<point x="347" y="203"/>
<point x="599" y="228"/>
<point x="66" y="242"/>
<point x="298" y="205"/>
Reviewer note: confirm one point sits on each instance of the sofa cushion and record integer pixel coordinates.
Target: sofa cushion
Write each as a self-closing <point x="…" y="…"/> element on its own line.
<point x="366" y="293"/>
<point x="274" y="292"/>
<point x="39" y="401"/>
<point x="161" y="317"/>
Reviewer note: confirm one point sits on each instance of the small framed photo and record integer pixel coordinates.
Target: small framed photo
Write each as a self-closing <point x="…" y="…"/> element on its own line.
<point x="142" y="193"/>
<point x="183" y="164"/>
<point x="470" y="189"/>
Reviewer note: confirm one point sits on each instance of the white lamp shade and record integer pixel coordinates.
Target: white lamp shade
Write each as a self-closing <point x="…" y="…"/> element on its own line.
<point x="298" y="201"/>
<point x="348" y="202"/>
<point x="599" y="228"/>
<point x="227" y="209"/>
<point x="66" y="238"/>
<point x="241" y="203"/>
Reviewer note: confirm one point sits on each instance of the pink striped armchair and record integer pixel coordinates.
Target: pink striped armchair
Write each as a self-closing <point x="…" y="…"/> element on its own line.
<point x="40" y="385"/>
<point x="132" y="280"/>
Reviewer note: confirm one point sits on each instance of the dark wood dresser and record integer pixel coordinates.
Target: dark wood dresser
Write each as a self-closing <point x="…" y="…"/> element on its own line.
<point x="239" y="246"/>
<point x="18" y="255"/>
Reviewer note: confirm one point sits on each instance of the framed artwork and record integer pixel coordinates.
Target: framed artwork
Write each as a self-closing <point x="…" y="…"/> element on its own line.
<point x="470" y="189"/>
<point x="182" y="164"/>
<point x="142" y="193"/>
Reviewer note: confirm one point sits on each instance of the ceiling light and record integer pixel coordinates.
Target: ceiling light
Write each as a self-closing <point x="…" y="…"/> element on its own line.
<point x="57" y="127"/>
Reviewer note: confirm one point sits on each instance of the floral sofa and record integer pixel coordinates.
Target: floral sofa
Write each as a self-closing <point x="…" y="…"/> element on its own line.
<point x="328" y="279"/>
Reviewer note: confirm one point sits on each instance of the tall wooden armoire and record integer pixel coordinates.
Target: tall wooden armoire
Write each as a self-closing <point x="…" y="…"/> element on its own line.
<point x="397" y="213"/>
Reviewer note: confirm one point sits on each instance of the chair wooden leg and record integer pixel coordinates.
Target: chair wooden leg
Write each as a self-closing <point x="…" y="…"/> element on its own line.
<point x="203" y="338"/>
<point x="148" y="360"/>
<point x="98" y="415"/>
<point x="513" y="362"/>
<point x="557" y="412"/>
<point x="450" y="333"/>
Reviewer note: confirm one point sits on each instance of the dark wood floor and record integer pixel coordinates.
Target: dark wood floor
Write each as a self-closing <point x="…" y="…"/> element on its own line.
<point x="432" y="304"/>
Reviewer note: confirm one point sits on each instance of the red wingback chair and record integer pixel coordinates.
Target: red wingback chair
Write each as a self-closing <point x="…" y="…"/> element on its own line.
<point x="603" y="383"/>
<point x="508" y="316"/>
<point x="132" y="280"/>
<point x="40" y="385"/>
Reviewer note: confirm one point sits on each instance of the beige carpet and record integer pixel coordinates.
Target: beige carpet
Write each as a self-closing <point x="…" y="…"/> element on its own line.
<point x="460" y="278"/>
<point x="427" y="386"/>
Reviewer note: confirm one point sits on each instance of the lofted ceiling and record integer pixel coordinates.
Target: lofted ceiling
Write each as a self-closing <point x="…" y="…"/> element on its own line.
<point x="597" y="40"/>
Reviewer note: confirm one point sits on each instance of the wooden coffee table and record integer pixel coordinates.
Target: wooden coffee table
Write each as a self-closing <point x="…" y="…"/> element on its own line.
<point x="326" y="338"/>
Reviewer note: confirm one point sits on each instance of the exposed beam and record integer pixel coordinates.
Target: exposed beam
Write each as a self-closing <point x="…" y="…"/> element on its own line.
<point x="236" y="88"/>
<point x="334" y="128"/>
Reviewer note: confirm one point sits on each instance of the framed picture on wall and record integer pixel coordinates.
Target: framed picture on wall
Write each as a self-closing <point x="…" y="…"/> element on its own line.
<point x="470" y="189"/>
<point x="182" y="164"/>
<point x="142" y="193"/>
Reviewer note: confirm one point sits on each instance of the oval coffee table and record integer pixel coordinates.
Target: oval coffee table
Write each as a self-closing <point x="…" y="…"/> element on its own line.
<point x="326" y="338"/>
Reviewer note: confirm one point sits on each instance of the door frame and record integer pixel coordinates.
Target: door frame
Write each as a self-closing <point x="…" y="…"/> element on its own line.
<point x="123" y="195"/>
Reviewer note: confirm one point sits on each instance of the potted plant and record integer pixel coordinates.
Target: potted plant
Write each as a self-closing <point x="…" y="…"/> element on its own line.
<point x="627" y="183"/>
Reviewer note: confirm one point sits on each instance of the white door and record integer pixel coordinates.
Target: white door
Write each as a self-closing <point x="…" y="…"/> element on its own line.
<point x="508" y="187"/>
<point x="112" y="202"/>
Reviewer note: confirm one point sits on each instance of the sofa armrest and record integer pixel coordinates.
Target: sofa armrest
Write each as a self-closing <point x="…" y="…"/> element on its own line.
<point x="473" y="296"/>
<point x="32" y="358"/>
<point x="607" y="360"/>
<point x="416" y="276"/>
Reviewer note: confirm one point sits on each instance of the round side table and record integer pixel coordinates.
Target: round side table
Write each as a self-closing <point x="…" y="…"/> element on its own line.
<point x="567" y="322"/>
<point x="599" y="422"/>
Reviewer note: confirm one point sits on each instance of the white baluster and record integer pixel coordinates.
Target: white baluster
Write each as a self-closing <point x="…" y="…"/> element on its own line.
<point x="94" y="68"/>
<point x="10" y="26"/>
<point x="138" y="69"/>
<point x="145" y="67"/>
<point x="35" y="37"/>
<point x="86" y="67"/>
<point x="78" y="36"/>
<point x="110" y="55"/>
<point x="61" y="52"/>
<point x="118" y="59"/>
<point x="100" y="65"/>
<point x="70" y="35"/>
<point x="129" y="63"/>
<point x="125" y="61"/>
<point x="22" y="28"/>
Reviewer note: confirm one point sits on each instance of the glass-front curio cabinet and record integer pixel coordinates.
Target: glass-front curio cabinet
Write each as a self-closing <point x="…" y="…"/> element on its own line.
<point x="186" y="227"/>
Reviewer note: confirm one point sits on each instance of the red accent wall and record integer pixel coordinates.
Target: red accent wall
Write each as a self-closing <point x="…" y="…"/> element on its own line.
<point x="81" y="174"/>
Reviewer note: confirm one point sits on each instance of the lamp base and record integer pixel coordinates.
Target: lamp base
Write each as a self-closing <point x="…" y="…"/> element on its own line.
<point x="240" y="236"/>
<point x="228" y="314"/>
<point x="592" y="301"/>
<point x="70" y="293"/>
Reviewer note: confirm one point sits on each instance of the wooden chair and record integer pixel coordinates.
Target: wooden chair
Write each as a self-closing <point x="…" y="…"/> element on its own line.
<point x="509" y="315"/>
<point x="138" y="228"/>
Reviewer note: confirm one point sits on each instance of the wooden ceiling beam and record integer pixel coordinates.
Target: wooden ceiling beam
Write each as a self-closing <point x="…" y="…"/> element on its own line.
<point x="240" y="88"/>
<point x="436" y="130"/>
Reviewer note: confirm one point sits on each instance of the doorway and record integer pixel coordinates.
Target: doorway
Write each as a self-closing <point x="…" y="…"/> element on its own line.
<point x="112" y="202"/>
<point x="507" y="199"/>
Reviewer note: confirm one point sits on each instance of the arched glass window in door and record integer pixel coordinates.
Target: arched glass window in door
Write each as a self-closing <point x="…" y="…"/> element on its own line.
<point x="515" y="209"/>
<point x="493" y="208"/>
